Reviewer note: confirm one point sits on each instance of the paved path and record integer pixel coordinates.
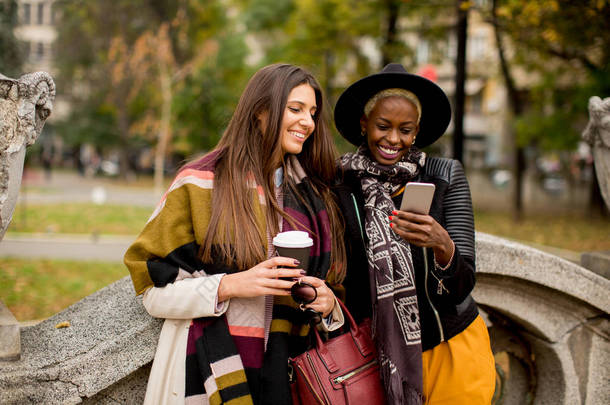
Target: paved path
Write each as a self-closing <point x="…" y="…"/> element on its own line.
<point x="107" y="249"/>
<point x="70" y="187"/>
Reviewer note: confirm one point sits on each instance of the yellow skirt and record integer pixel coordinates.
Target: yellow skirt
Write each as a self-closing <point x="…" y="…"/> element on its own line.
<point x="461" y="370"/>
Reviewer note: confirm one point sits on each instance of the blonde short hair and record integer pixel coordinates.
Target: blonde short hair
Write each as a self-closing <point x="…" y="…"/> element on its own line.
<point x="385" y="93"/>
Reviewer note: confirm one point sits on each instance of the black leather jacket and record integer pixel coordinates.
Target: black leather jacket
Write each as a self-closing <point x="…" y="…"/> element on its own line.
<point x="444" y="312"/>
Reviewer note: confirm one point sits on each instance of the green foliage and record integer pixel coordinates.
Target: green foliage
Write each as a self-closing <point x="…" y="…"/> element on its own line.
<point x="567" y="44"/>
<point x="206" y="100"/>
<point x="569" y="52"/>
<point x="98" y="43"/>
<point x="91" y="122"/>
<point x="266" y="14"/>
<point x="548" y="132"/>
<point x="11" y="50"/>
<point x="324" y="36"/>
<point x="112" y="59"/>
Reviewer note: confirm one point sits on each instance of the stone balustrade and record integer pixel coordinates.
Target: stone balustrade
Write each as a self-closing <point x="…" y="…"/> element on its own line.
<point x="25" y="105"/>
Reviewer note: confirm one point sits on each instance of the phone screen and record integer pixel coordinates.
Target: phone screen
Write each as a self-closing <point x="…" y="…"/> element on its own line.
<point x="417" y="197"/>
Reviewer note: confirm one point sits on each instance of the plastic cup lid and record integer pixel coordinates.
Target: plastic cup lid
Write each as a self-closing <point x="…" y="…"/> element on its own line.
<point x="292" y="239"/>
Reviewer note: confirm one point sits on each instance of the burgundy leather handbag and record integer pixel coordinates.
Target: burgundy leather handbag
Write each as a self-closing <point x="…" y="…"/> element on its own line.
<point x="342" y="370"/>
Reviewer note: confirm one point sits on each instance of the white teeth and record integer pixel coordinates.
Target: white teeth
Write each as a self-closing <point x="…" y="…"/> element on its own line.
<point x="297" y="134"/>
<point x="388" y="151"/>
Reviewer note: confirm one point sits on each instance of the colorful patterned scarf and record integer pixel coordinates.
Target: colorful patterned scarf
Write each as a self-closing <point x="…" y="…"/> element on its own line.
<point x="395" y="311"/>
<point x="224" y="368"/>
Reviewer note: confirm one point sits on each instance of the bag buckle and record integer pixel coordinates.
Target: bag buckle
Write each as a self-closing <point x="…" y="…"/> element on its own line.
<point x="290" y="372"/>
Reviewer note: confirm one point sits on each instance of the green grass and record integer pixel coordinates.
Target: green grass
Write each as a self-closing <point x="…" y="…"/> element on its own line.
<point x="568" y="232"/>
<point x="37" y="289"/>
<point x="80" y="218"/>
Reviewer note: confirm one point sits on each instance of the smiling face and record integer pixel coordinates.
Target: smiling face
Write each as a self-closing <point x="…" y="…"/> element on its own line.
<point x="390" y="128"/>
<point x="298" y="119"/>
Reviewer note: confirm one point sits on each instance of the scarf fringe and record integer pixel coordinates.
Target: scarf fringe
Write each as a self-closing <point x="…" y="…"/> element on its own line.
<point x="397" y="390"/>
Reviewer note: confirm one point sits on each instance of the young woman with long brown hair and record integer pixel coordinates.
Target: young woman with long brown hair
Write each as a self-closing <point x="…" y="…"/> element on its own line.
<point x="204" y="261"/>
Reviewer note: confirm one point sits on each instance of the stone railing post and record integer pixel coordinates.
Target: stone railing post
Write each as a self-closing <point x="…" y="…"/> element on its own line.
<point x="597" y="135"/>
<point x="25" y="104"/>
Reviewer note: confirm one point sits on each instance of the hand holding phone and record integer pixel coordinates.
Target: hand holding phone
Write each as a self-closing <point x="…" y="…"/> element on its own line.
<point x="417" y="197"/>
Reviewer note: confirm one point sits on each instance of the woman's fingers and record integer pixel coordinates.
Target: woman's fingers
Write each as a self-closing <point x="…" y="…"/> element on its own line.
<point x="325" y="301"/>
<point x="415" y="228"/>
<point x="412" y="217"/>
<point x="274" y="276"/>
<point x="279" y="267"/>
<point x="280" y="261"/>
<point x="316" y="282"/>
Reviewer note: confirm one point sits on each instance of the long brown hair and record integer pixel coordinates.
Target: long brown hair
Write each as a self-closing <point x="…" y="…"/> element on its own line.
<point x="248" y="149"/>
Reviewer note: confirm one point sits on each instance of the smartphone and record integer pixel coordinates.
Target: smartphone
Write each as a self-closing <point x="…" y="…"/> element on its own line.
<point x="417" y="197"/>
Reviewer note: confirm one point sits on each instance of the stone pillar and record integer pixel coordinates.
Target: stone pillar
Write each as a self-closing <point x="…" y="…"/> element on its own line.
<point x="25" y="104"/>
<point x="597" y="135"/>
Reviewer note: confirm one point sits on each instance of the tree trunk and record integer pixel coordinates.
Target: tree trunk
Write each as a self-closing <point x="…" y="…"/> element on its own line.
<point x="123" y="124"/>
<point x="388" y="56"/>
<point x="460" y="79"/>
<point x="329" y="70"/>
<point x="164" y="130"/>
<point x="516" y="108"/>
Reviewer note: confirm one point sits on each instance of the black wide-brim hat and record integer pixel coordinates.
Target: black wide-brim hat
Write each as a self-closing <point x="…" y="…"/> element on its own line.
<point x="435" y="107"/>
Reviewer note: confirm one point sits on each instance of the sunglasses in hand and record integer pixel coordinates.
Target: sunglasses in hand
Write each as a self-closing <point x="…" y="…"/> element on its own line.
<point x="304" y="293"/>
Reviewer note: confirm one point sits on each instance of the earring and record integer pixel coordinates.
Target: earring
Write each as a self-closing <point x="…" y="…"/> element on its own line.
<point x="363" y="133"/>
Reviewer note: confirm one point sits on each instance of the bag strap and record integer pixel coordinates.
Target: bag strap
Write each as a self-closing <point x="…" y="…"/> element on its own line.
<point x="362" y="342"/>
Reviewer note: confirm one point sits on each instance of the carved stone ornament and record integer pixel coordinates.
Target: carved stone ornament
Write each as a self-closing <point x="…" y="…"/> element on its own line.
<point x="597" y="134"/>
<point x="25" y="104"/>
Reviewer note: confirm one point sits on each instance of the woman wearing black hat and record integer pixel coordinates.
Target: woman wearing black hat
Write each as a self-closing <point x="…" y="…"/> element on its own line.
<point x="411" y="273"/>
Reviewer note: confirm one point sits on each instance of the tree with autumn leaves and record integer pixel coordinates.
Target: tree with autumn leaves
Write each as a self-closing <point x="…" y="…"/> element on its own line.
<point x="128" y="68"/>
<point x="565" y="45"/>
<point x="166" y="74"/>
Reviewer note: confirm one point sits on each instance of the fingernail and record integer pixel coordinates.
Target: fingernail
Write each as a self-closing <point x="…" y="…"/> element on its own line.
<point x="303" y="272"/>
<point x="297" y="261"/>
<point x="391" y="217"/>
<point x="394" y="213"/>
<point x="391" y="225"/>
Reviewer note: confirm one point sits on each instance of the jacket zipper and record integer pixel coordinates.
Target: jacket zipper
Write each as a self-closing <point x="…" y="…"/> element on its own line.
<point x="344" y="377"/>
<point x="358" y="216"/>
<point x="436" y="315"/>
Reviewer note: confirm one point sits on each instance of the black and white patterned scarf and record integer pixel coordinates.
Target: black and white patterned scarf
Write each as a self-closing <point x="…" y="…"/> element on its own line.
<point x="395" y="311"/>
